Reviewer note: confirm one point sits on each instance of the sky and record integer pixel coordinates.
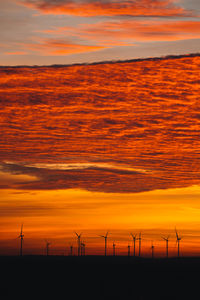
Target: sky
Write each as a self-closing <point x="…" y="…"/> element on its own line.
<point x="101" y="147"/>
<point x="45" y="32"/>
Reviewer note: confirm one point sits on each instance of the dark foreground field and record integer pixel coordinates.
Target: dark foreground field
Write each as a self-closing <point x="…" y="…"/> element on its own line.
<point x="99" y="278"/>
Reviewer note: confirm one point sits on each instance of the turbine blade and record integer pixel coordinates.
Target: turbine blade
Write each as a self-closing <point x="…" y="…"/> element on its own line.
<point x="21" y="228"/>
<point x="176" y="233"/>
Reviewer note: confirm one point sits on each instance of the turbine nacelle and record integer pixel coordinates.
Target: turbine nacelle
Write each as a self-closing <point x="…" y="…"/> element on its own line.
<point x="104" y="236"/>
<point x="21" y="233"/>
<point x="178" y="238"/>
<point x="166" y="238"/>
<point x="134" y="236"/>
<point x="78" y="235"/>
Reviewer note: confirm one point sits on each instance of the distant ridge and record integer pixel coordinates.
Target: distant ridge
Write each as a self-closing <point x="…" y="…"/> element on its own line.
<point x="107" y="62"/>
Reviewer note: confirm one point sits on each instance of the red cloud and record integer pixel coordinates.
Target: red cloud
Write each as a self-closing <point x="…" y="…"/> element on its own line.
<point x="142" y="30"/>
<point x="60" y="47"/>
<point x="125" y="33"/>
<point x="108" y="7"/>
<point x="104" y="35"/>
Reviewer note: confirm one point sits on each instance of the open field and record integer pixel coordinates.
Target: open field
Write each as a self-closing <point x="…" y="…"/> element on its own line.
<point x="99" y="277"/>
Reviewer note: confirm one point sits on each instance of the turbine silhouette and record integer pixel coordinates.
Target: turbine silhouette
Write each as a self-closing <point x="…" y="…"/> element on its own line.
<point x="105" y="238"/>
<point x="129" y="250"/>
<point x="139" y="252"/>
<point x="21" y="236"/>
<point x="152" y="250"/>
<point x="79" y="242"/>
<point x="71" y="250"/>
<point x="134" y="240"/>
<point x="166" y="239"/>
<point x="178" y="239"/>
<point x="47" y="247"/>
<point x="114" y="249"/>
<point x="82" y="248"/>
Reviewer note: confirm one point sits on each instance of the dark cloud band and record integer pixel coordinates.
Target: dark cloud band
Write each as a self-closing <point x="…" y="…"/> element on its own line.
<point x="108" y="7"/>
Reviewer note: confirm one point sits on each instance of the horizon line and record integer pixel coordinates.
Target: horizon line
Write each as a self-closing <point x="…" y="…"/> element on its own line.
<point x="156" y="58"/>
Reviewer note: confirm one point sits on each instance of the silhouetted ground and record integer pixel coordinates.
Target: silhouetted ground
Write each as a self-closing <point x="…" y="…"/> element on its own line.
<point x="98" y="277"/>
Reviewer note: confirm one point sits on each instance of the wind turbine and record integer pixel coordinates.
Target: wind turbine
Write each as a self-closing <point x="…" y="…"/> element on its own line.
<point x="152" y="250"/>
<point x="139" y="253"/>
<point x="105" y="238"/>
<point x="71" y="250"/>
<point x="134" y="239"/>
<point x="166" y="239"/>
<point x="82" y="248"/>
<point x="47" y="247"/>
<point x="79" y="242"/>
<point x="21" y="236"/>
<point x="114" y="249"/>
<point x="178" y="239"/>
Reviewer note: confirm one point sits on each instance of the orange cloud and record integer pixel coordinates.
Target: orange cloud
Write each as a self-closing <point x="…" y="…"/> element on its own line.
<point x="108" y="8"/>
<point x="59" y="47"/>
<point x="134" y="125"/>
<point x="125" y="33"/>
<point x="141" y="31"/>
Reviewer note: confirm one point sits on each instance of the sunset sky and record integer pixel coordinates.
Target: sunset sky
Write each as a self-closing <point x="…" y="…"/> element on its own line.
<point x="92" y="148"/>
<point x="45" y="32"/>
<point x="102" y="147"/>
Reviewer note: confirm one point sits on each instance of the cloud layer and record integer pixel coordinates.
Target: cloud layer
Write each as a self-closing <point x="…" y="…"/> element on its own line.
<point x="132" y="31"/>
<point x="59" y="47"/>
<point x="108" y="8"/>
<point x="94" y="178"/>
<point x="104" y="35"/>
<point x="40" y="31"/>
<point x="121" y="127"/>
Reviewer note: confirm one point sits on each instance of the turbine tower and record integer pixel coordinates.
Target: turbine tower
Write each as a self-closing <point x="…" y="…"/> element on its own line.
<point x="79" y="242"/>
<point x="139" y="252"/>
<point x="134" y="239"/>
<point x="152" y="250"/>
<point x="114" y="249"/>
<point x="178" y="239"/>
<point x="71" y="250"/>
<point x="166" y="239"/>
<point x="129" y="250"/>
<point x="82" y="248"/>
<point x="21" y="236"/>
<point x="47" y="247"/>
<point x="105" y="238"/>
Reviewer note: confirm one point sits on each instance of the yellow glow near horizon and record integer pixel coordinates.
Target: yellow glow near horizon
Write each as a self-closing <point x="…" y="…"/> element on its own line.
<point x="57" y="214"/>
